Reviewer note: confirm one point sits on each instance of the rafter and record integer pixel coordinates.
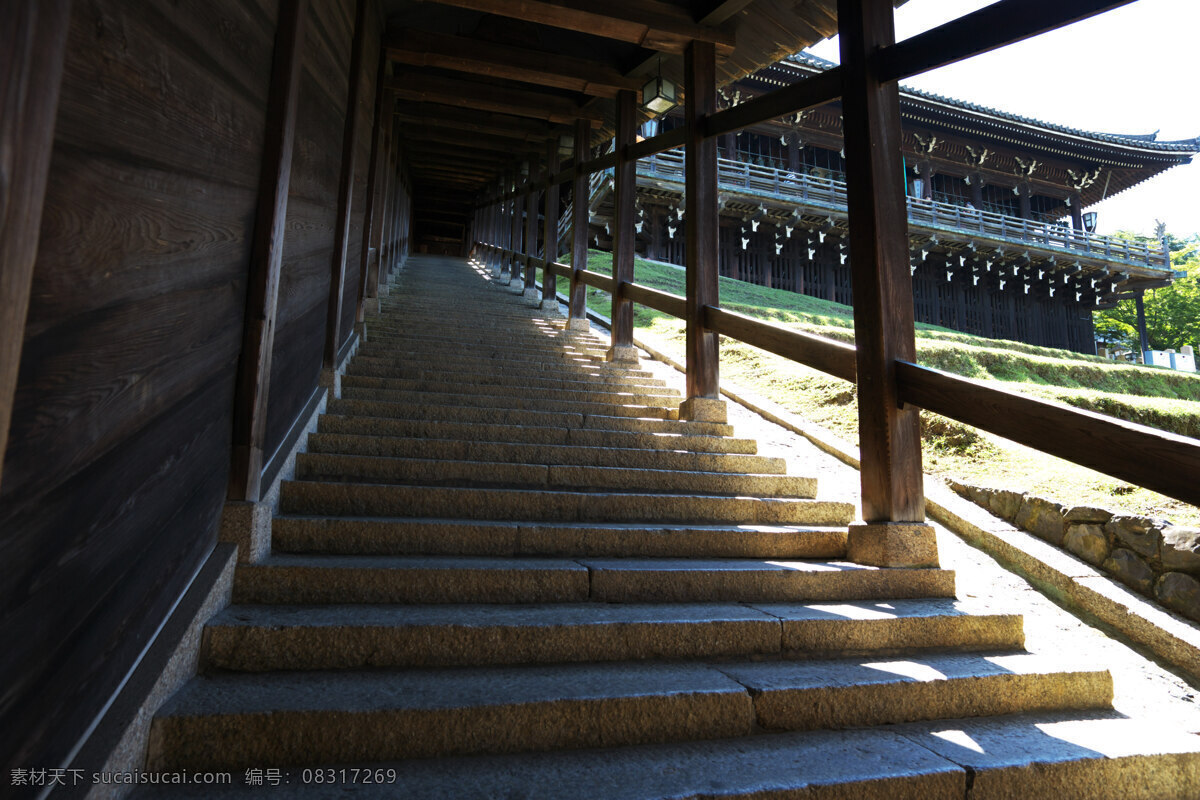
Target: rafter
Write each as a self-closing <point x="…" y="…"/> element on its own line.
<point x="650" y="24"/>
<point x="478" y="57"/>
<point x="413" y="85"/>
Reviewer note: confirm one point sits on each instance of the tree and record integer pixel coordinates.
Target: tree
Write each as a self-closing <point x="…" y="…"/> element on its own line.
<point x="1172" y="313"/>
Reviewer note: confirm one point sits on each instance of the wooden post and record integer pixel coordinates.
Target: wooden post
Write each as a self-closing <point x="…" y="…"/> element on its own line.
<point x="515" y="233"/>
<point x="368" y="278"/>
<point x="1143" y="339"/>
<point x="32" y="45"/>
<point x="702" y="223"/>
<point x="337" y="278"/>
<point x="266" y="259"/>
<point x="531" y="236"/>
<point x="889" y="436"/>
<point x="577" y="307"/>
<point x="549" y="283"/>
<point x="625" y="190"/>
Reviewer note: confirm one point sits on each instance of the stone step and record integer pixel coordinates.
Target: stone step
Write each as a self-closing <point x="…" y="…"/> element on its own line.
<point x="400" y="536"/>
<point x="235" y="721"/>
<point x="600" y="375"/>
<point x="261" y="638"/>
<point x="597" y="380"/>
<point x="513" y="388"/>
<point x="1061" y="755"/>
<point x="616" y="404"/>
<point x="516" y="337"/>
<point x="474" y="449"/>
<point x="497" y="355"/>
<point x="380" y="500"/>
<point x="436" y="472"/>
<point x="335" y="425"/>
<point x="668" y="410"/>
<point x="559" y="367"/>
<point x="518" y="348"/>
<point x="520" y="416"/>
<point x="295" y="579"/>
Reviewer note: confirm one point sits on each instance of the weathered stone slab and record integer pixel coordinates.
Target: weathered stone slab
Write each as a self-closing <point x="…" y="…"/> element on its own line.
<point x="1087" y="541"/>
<point x="1043" y="518"/>
<point x="1143" y="535"/>
<point x="1180" y="593"/>
<point x="1181" y="549"/>
<point x="1088" y="514"/>
<point x="1130" y="570"/>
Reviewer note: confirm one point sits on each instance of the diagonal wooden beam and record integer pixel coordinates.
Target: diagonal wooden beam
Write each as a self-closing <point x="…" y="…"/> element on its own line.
<point x="479" y="57"/>
<point x="412" y="85"/>
<point x="32" y="45"/>
<point x="333" y="321"/>
<point x="987" y="29"/>
<point x="266" y="259"/>
<point x="650" y="24"/>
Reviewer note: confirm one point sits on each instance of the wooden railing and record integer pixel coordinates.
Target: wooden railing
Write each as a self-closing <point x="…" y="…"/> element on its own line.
<point x="829" y="193"/>
<point x="1161" y="461"/>
<point x="890" y="386"/>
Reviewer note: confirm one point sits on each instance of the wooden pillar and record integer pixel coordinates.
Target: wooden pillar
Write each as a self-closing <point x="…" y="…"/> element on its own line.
<point x="889" y="436"/>
<point x="368" y="272"/>
<point x="1076" y="212"/>
<point x="624" y="236"/>
<point x="531" y="235"/>
<point x="1139" y="302"/>
<point x="577" y="319"/>
<point x="266" y="259"/>
<point x="702" y="229"/>
<point x="515" y="236"/>
<point x="793" y="152"/>
<point x="33" y="41"/>
<point x="550" y="250"/>
<point x="337" y="278"/>
<point x="1025" y="200"/>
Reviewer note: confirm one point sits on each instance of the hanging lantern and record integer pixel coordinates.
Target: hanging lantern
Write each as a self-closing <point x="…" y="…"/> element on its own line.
<point x="660" y="95"/>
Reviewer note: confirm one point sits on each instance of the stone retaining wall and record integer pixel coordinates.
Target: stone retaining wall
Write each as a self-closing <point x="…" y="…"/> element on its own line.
<point x="1147" y="554"/>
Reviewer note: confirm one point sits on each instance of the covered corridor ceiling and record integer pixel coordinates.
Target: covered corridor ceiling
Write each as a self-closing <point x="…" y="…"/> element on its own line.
<point x="484" y="85"/>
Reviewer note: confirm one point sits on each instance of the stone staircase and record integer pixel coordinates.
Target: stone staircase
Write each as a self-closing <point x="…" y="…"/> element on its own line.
<point x="506" y="569"/>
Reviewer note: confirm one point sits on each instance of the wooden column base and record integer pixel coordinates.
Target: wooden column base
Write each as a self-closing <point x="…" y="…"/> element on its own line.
<point x="703" y="409"/>
<point x="623" y="354"/>
<point x="578" y="324"/>
<point x="330" y="379"/>
<point x="550" y="307"/>
<point x="533" y="296"/>
<point x="893" y="544"/>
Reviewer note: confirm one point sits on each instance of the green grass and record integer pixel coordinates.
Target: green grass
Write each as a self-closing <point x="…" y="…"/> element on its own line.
<point x="1159" y="398"/>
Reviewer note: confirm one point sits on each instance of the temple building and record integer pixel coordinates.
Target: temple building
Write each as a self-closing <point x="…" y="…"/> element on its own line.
<point x="997" y="210"/>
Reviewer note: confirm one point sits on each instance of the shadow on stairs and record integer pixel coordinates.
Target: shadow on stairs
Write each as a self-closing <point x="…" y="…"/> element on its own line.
<point x="506" y="569"/>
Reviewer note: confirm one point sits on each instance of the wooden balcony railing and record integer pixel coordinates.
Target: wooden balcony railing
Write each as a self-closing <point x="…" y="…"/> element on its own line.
<point x="829" y="194"/>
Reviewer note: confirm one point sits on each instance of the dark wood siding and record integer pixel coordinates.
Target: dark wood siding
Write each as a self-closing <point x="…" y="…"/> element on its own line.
<point x="115" y="472"/>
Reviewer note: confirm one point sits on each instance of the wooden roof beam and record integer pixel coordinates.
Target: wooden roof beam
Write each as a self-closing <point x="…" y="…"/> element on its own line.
<point x="477" y="121"/>
<point x="647" y="23"/>
<point x="410" y="85"/>
<point x="478" y="57"/>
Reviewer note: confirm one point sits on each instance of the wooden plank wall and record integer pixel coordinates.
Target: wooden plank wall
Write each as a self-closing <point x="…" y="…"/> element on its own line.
<point x="312" y="210"/>
<point x="114" y="476"/>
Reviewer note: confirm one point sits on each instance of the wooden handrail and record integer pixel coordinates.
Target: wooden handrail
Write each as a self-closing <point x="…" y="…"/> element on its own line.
<point x="827" y="355"/>
<point x="602" y="282"/>
<point x="1157" y="460"/>
<point x="671" y="304"/>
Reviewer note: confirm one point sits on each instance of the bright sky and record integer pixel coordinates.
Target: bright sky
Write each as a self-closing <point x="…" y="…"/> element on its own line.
<point x="1131" y="70"/>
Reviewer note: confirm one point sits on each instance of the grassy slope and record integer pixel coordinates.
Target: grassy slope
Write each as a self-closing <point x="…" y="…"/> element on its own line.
<point x="1160" y="398"/>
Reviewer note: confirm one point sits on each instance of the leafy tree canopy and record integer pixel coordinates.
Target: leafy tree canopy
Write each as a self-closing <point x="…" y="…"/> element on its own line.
<point x="1172" y="313"/>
